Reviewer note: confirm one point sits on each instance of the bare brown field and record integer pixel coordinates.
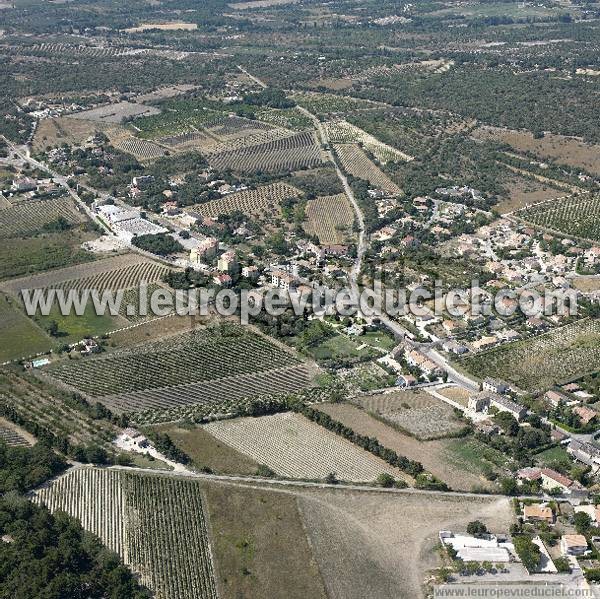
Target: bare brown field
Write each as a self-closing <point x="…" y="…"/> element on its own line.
<point x="458" y="394"/>
<point x="523" y="191"/>
<point x="565" y="150"/>
<point x="207" y="452"/>
<point x="587" y="284"/>
<point x="415" y="412"/>
<point x="155" y="330"/>
<point x="56" y="131"/>
<point x="374" y="545"/>
<point x="259" y="545"/>
<point x="330" y="83"/>
<point x="330" y="218"/>
<point x="432" y="454"/>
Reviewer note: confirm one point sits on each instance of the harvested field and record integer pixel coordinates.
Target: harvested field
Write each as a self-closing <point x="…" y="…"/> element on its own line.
<point x="459" y="395"/>
<point x="295" y="447"/>
<point x="355" y="162"/>
<point x="330" y="218"/>
<point x="541" y="362"/>
<point x="56" y="131"/>
<point x="524" y="191"/>
<point x="29" y="217"/>
<point x="577" y="215"/>
<point x="263" y="200"/>
<point x="343" y="132"/>
<point x="289" y="153"/>
<point x="558" y="148"/>
<point x="109" y="273"/>
<point x="435" y="456"/>
<point x="373" y="545"/>
<point x="163" y="93"/>
<point x="415" y="412"/>
<point x="260" y="531"/>
<point x="207" y="452"/>
<point x="115" y="113"/>
<point x="157" y="524"/>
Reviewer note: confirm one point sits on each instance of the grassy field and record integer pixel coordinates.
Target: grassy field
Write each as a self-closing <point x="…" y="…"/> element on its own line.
<point x="522" y="191"/>
<point x="27" y="256"/>
<point x="555" y="457"/>
<point x="436" y="456"/>
<point x="26" y="338"/>
<point x="340" y="347"/>
<point x="207" y="452"/>
<point x="73" y="328"/>
<point x="474" y="456"/>
<point x="260" y="546"/>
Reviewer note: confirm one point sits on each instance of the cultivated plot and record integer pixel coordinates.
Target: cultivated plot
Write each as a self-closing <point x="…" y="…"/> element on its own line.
<point x="297" y="448"/>
<point x="330" y="218"/>
<point x="578" y="215"/>
<point x="31" y="216"/>
<point x="415" y="412"/>
<point x="543" y="361"/>
<point x="263" y="200"/>
<point x="358" y="164"/>
<point x="156" y="524"/>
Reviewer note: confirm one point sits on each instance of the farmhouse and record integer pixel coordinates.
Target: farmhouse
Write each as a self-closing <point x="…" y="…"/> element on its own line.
<point x="473" y="549"/>
<point x="483" y="401"/>
<point x="537" y="512"/>
<point x="494" y="385"/>
<point x="586" y="415"/>
<point x="555" y="398"/>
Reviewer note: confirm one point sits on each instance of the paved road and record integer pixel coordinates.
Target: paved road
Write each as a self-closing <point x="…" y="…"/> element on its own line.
<point x="396" y="328"/>
<point x="60" y="179"/>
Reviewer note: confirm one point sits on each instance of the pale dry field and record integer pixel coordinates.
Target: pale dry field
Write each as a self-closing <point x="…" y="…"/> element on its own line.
<point x="523" y="191"/>
<point x="163" y="27"/>
<point x="564" y="150"/>
<point x="56" y="131"/>
<point x="587" y="284"/>
<point x="375" y="545"/>
<point x="434" y="455"/>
